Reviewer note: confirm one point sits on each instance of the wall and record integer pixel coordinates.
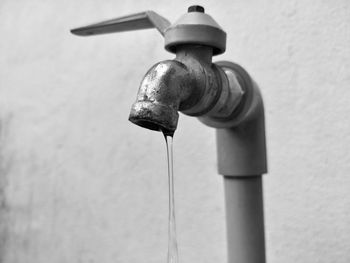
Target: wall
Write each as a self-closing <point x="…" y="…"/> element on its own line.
<point x="79" y="183"/>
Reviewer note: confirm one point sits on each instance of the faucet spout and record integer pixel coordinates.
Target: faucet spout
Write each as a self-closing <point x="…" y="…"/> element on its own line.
<point x="161" y="92"/>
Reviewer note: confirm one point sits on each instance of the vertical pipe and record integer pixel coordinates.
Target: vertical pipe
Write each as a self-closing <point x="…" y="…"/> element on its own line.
<point x="245" y="219"/>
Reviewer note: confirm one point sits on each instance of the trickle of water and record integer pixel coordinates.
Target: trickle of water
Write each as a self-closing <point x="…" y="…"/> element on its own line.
<point x="173" y="256"/>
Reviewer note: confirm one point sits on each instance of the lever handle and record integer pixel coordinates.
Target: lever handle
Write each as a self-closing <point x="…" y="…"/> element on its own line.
<point x="143" y="20"/>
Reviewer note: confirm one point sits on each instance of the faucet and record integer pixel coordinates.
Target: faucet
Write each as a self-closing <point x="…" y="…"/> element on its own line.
<point x="221" y="95"/>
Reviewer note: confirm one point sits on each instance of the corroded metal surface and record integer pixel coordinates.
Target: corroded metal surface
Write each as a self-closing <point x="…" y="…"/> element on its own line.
<point x="159" y="96"/>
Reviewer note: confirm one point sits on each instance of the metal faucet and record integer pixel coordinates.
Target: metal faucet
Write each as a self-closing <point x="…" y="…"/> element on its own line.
<point x="222" y="95"/>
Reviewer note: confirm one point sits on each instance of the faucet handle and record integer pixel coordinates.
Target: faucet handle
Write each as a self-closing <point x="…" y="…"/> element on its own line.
<point x="194" y="28"/>
<point x="143" y="20"/>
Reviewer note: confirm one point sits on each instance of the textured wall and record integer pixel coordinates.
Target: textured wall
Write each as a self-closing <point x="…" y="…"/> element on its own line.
<point x="79" y="183"/>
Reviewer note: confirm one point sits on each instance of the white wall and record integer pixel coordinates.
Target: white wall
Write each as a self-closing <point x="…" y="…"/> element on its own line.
<point x="79" y="183"/>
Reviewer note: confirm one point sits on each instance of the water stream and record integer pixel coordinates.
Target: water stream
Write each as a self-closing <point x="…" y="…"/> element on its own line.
<point x="173" y="256"/>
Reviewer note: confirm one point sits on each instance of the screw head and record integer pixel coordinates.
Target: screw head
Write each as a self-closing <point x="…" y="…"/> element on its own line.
<point x="195" y="8"/>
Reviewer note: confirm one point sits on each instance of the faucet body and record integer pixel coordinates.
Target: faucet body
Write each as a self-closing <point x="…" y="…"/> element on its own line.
<point x="191" y="84"/>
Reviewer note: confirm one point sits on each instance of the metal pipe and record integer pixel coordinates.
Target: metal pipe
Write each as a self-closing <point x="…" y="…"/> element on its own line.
<point x="245" y="219"/>
<point x="241" y="152"/>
